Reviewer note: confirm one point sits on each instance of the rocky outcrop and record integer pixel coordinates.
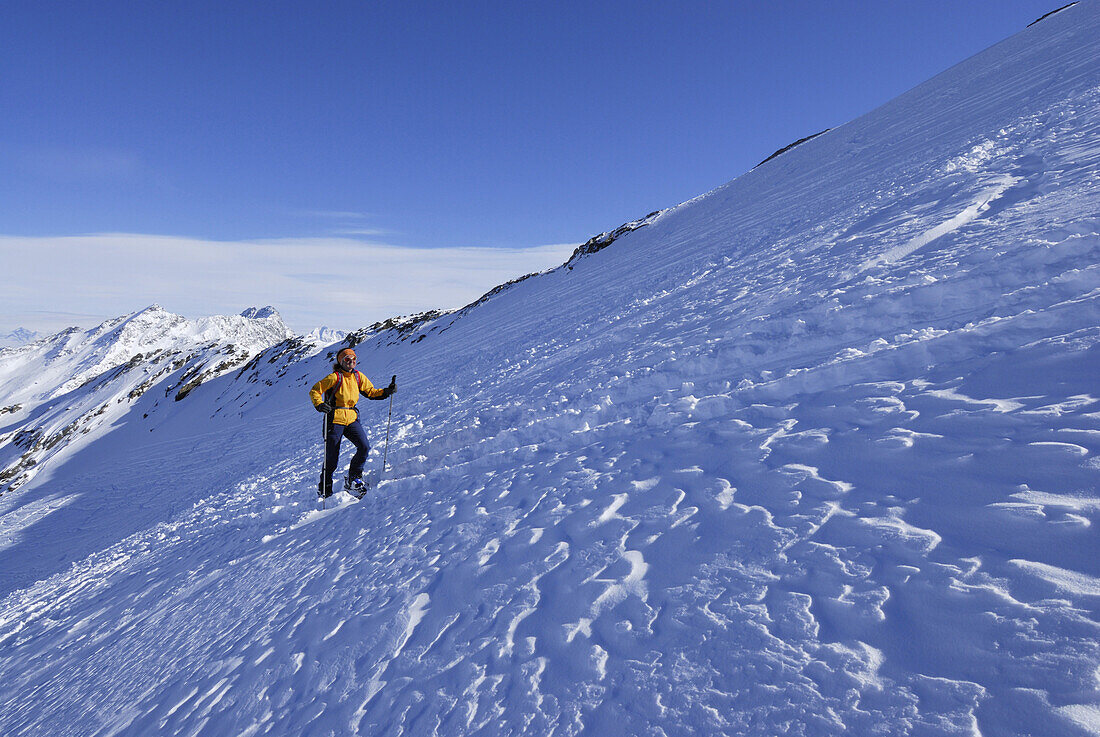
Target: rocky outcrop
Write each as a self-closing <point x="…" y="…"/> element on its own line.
<point x="1044" y="17"/>
<point x="603" y="240"/>
<point x="789" y="146"/>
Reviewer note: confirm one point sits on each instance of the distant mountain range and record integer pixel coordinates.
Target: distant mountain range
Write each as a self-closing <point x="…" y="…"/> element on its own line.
<point x="18" y="337"/>
<point x="75" y="382"/>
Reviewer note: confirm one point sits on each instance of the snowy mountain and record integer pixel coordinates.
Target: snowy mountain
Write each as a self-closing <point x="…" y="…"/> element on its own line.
<point x="18" y="337"/>
<point x="326" y="335"/>
<point x="69" y="385"/>
<point x="814" y="453"/>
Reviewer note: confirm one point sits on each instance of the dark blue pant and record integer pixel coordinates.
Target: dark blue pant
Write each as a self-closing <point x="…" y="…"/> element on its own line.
<point x="354" y="433"/>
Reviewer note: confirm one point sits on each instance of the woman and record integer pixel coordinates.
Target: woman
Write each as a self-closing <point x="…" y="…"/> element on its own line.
<point x="336" y="395"/>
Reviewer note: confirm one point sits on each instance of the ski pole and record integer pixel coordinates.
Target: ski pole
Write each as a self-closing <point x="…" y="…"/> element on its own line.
<point x="324" y="455"/>
<point x="386" y="454"/>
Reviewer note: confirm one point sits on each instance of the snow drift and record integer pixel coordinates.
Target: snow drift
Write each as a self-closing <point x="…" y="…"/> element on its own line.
<point x="814" y="453"/>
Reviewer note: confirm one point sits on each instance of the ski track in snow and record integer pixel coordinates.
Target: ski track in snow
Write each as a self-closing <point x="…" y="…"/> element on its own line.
<point x="707" y="482"/>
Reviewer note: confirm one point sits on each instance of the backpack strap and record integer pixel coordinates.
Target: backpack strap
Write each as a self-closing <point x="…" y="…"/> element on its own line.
<point x="330" y="395"/>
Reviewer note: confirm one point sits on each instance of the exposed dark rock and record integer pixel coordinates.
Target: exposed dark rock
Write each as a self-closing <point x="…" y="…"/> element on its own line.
<point x="1059" y="10"/>
<point x="26" y="439"/>
<point x="493" y="292"/>
<point x="603" y="240"/>
<point x="283" y="355"/>
<point x="788" y="147"/>
<point x="202" y="376"/>
<point x="403" y="326"/>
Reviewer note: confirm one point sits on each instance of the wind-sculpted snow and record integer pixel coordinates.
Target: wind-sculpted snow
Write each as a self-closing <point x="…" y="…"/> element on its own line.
<point x="817" y="453"/>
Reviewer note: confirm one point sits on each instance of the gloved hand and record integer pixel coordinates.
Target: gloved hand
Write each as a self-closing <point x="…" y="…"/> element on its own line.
<point x="324" y="407"/>
<point x="391" y="388"/>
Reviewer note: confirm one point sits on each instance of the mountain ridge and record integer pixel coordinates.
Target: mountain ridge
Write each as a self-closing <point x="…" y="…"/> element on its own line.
<point x="76" y="381"/>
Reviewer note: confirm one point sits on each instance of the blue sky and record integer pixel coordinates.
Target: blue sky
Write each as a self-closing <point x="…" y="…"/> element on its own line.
<point x="482" y="128"/>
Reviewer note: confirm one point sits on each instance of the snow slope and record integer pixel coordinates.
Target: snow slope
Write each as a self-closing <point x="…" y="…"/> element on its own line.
<point x="815" y="453"/>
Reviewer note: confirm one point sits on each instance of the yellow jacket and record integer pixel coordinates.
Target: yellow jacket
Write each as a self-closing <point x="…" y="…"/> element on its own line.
<point x="347" y="394"/>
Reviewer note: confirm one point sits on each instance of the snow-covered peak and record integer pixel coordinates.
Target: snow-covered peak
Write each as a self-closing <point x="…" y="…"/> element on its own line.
<point x="68" y="388"/>
<point x="326" y="335"/>
<point x="61" y="362"/>
<point x="18" y="337"/>
<point x="254" y="333"/>
<point x="260" y="313"/>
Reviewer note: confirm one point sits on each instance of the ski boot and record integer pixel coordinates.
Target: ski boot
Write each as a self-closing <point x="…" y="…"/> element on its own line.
<point x="355" y="487"/>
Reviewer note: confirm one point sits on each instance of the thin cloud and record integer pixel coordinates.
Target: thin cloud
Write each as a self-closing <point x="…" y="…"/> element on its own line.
<point x="345" y="223"/>
<point x="332" y="214"/>
<point x="339" y="282"/>
<point x="363" y="232"/>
